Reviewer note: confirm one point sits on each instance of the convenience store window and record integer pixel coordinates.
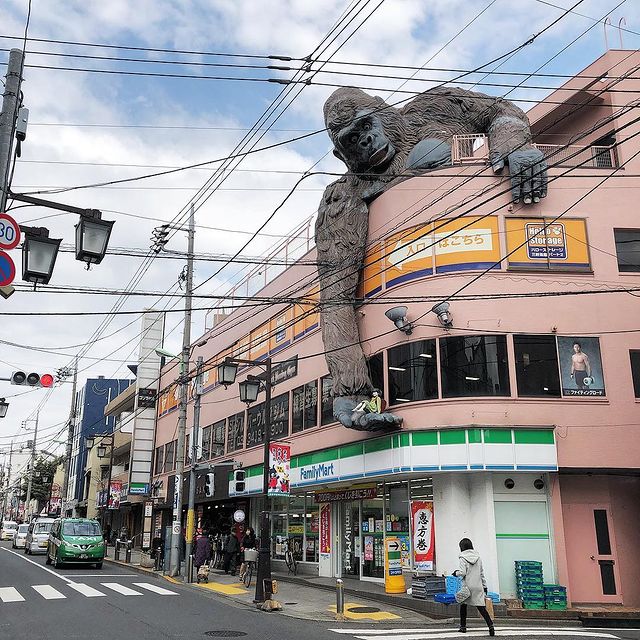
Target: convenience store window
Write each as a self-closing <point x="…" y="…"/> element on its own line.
<point x="413" y="372"/>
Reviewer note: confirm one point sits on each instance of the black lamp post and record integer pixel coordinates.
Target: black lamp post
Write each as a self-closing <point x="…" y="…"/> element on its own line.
<point x="39" y="253"/>
<point x="4" y="406"/>
<point x="249" y="390"/>
<point x="92" y="237"/>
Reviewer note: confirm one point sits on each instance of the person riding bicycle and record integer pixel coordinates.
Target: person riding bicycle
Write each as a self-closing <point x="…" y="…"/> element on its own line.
<point x="248" y="542"/>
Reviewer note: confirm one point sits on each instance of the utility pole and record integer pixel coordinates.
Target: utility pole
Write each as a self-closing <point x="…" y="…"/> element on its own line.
<point x="182" y="407"/>
<point x="6" y="492"/>
<point x="10" y="100"/>
<point x="70" y="433"/>
<point x="195" y="437"/>
<point x="32" y="463"/>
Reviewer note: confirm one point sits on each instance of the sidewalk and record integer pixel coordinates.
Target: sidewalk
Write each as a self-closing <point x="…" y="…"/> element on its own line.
<point x="314" y="598"/>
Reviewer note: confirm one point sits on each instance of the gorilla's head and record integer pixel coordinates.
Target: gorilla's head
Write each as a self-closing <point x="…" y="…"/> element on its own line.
<point x="356" y="125"/>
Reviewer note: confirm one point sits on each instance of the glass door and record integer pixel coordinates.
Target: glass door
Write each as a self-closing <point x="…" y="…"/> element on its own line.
<point x="372" y="538"/>
<point x="349" y="533"/>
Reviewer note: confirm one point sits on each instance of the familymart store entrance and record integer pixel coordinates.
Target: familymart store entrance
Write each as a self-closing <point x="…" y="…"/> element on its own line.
<point x="356" y="520"/>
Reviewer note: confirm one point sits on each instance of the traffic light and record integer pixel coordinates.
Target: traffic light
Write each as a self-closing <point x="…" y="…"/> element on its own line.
<point x="238" y="480"/>
<point x="32" y="379"/>
<point x="210" y="486"/>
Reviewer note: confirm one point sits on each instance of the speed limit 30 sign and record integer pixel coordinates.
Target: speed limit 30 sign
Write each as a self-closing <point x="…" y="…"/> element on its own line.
<point x="9" y="232"/>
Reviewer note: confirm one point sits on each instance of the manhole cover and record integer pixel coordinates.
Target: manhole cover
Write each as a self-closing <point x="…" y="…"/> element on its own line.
<point x="364" y="610"/>
<point x="224" y="633"/>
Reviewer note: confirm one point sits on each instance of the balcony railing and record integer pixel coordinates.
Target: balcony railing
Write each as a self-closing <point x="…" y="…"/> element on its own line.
<point x="473" y="148"/>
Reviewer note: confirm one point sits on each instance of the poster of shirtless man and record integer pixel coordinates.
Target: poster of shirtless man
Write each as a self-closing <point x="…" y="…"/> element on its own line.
<point x="581" y="366"/>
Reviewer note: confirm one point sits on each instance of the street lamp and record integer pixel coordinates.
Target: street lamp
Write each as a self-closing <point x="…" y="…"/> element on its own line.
<point x="249" y="389"/>
<point x="4" y="405"/>
<point x="92" y="237"/>
<point x="88" y="442"/>
<point x="39" y="253"/>
<point x="101" y="451"/>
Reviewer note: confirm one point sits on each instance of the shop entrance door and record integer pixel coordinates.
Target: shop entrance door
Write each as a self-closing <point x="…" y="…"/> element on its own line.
<point x="591" y="554"/>
<point x="372" y="534"/>
<point x="349" y="539"/>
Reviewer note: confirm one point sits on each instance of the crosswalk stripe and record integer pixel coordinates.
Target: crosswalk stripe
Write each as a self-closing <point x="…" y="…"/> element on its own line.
<point x="155" y="589"/>
<point x="120" y="588"/>
<point x="10" y="594"/>
<point x="86" y="590"/>
<point x="48" y="592"/>
<point x="483" y="633"/>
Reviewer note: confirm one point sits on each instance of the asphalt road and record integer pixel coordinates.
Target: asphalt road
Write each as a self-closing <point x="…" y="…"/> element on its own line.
<point x="38" y="602"/>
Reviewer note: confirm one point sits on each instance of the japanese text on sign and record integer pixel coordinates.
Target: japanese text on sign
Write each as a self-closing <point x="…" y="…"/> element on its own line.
<point x="423" y="534"/>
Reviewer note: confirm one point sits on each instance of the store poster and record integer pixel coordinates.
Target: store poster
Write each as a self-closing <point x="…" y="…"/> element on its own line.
<point x="368" y="547"/>
<point x="405" y="551"/>
<point x="279" y="469"/>
<point x="580" y="366"/>
<point x="114" y="495"/>
<point x="325" y="528"/>
<point x="423" y="534"/>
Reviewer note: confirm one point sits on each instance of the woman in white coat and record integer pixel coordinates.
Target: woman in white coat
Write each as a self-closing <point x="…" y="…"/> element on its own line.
<point x="472" y="575"/>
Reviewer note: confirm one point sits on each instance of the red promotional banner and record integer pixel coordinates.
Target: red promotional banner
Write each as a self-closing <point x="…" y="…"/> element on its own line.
<point x="325" y="528"/>
<point x="279" y="469"/>
<point x="423" y="534"/>
<point x="115" y="495"/>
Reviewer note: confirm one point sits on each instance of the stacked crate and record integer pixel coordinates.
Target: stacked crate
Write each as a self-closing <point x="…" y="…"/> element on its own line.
<point x="530" y="584"/>
<point x="425" y="587"/>
<point x="555" y="596"/>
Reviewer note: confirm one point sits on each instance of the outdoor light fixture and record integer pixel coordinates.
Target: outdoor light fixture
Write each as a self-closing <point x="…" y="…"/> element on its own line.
<point x="227" y="372"/>
<point x="88" y="442"/>
<point x="444" y="315"/>
<point x="398" y="315"/>
<point x="92" y="237"/>
<point x="4" y="405"/>
<point x="102" y="451"/>
<point x="249" y="389"/>
<point x="39" y="253"/>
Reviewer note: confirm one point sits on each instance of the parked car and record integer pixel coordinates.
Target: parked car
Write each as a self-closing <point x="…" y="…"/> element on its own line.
<point x="38" y="536"/>
<point x="75" y="540"/>
<point x="20" y="536"/>
<point x="9" y="527"/>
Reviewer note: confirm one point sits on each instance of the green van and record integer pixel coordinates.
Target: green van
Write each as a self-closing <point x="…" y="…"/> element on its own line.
<point x="75" y="540"/>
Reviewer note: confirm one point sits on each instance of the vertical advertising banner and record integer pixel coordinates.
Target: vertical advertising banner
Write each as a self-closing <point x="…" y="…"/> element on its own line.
<point x="279" y="469"/>
<point x="423" y="534"/>
<point x="325" y="528"/>
<point x="114" y="495"/>
<point x="580" y="366"/>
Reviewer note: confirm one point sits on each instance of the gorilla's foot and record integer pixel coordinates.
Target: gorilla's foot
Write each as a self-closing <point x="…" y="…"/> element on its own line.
<point x="344" y="411"/>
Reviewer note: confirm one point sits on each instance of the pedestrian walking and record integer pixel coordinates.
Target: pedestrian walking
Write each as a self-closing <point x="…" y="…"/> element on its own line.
<point x="231" y="549"/>
<point x="248" y="542"/>
<point x="472" y="575"/>
<point x="202" y="553"/>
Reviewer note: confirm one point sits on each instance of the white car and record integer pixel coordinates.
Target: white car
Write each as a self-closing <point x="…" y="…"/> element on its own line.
<point x="20" y="537"/>
<point x="38" y="536"/>
<point x="9" y="527"/>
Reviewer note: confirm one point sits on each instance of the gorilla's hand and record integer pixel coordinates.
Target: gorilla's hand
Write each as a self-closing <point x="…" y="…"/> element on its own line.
<point x="343" y="411"/>
<point x="528" y="174"/>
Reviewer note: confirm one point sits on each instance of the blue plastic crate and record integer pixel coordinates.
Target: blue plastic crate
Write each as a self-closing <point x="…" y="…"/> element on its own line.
<point x="444" y="598"/>
<point x="495" y="597"/>
<point x="555" y="590"/>
<point x="453" y="584"/>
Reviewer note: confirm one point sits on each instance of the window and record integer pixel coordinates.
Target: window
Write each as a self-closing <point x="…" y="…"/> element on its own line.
<point x="474" y="366"/>
<point x="279" y="420"/>
<point x="537" y="365"/>
<point x="413" y="373"/>
<point x="255" y="425"/>
<point x="206" y="443"/>
<point x="169" y="452"/>
<point x="159" y="459"/>
<point x="326" y="416"/>
<point x="217" y="442"/>
<point x="235" y="436"/>
<point x="628" y="249"/>
<point x="305" y="407"/>
<point x="376" y="371"/>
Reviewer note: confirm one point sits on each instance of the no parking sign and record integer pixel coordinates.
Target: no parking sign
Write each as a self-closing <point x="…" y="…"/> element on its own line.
<point x="7" y="269"/>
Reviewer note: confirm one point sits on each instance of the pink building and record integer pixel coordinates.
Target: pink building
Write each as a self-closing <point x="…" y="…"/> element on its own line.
<point x="520" y="420"/>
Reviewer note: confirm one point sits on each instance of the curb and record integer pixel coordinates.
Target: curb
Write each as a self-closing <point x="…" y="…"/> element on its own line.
<point x="135" y="567"/>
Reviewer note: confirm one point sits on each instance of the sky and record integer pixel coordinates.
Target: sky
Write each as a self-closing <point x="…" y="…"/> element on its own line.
<point x="88" y="127"/>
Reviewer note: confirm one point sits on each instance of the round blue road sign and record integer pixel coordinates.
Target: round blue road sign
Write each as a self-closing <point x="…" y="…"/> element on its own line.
<point x="7" y="269"/>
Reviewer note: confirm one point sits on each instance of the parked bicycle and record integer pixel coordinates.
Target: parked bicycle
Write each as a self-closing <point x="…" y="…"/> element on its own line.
<point x="289" y="557"/>
<point x="250" y="559"/>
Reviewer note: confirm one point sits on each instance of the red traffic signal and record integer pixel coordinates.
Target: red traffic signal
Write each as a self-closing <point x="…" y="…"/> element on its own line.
<point x="32" y="379"/>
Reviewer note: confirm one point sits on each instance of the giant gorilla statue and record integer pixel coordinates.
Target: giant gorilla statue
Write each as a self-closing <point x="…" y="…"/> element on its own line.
<point x="382" y="145"/>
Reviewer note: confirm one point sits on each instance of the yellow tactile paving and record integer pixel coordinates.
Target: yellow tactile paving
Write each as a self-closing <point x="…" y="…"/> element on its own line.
<point x="377" y="615"/>
<point x="227" y="589"/>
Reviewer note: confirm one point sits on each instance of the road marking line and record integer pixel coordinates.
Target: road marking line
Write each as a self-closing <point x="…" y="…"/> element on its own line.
<point x="155" y="589"/>
<point x="103" y="575"/>
<point x="10" y="594"/>
<point x="120" y="588"/>
<point x="48" y="592"/>
<point x="86" y="590"/>
<point x="443" y="630"/>
<point x="37" y="564"/>
<point x="483" y="632"/>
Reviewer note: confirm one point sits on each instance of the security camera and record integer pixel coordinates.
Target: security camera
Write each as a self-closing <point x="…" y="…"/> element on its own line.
<point x="509" y="483"/>
<point x="538" y="483"/>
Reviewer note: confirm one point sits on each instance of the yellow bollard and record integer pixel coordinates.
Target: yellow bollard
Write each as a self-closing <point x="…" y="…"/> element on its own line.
<point x="393" y="578"/>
